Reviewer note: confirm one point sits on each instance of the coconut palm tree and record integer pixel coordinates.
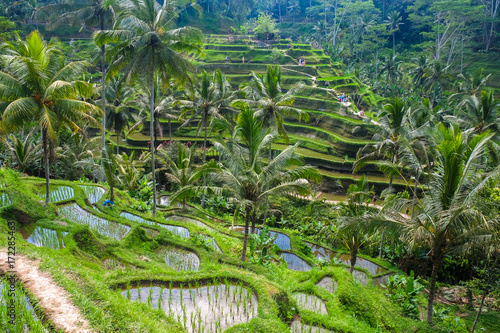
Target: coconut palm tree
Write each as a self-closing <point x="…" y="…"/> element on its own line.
<point x="393" y="22"/>
<point x="179" y="161"/>
<point x="481" y="113"/>
<point x="36" y="83"/>
<point x="391" y="139"/>
<point x="247" y="181"/>
<point x="451" y="216"/>
<point x="122" y="110"/>
<point x="391" y="69"/>
<point x="149" y="46"/>
<point x="88" y="13"/>
<point x="264" y="93"/>
<point x="210" y="100"/>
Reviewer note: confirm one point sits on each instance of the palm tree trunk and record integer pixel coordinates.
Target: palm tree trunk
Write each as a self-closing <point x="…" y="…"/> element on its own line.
<point x="117" y="143"/>
<point x="394" y="43"/>
<point x="184" y="204"/>
<point x="354" y="257"/>
<point x="152" y="130"/>
<point x="479" y="311"/>
<point x="47" y="165"/>
<point x="432" y="285"/>
<point x="245" y="238"/>
<point x="103" y="89"/>
<point x="205" y="159"/>
<point x="381" y="245"/>
<point x="112" y="192"/>
<point x="170" y="128"/>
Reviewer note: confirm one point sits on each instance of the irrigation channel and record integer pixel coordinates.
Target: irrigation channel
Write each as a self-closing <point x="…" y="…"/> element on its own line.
<point x="76" y="214"/>
<point x="212" y="308"/>
<point x="39" y="236"/>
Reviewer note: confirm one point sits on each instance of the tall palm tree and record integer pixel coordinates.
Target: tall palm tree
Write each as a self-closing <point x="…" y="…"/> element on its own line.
<point x="481" y="113"/>
<point x="148" y="45"/>
<point x="210" y="100"/>
<point x="183" y="171"/>
<point x="393" y="22"/>
<point x="264" y="93"/>
<point x="451" y="216"/>
<point x="89" y="13"/>
<point x="36" y="83"/>
<point x="391" y="138"/>
<point x="247" y="181"/>
<point x="121" y="108"/>
<point x="391" y="69"/>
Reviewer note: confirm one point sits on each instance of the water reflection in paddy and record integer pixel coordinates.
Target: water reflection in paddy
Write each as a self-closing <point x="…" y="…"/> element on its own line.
<point x="39" y="236"/>
<point x="93" y="193"/>
<point x="371" y="267"/>
<point x="295" y="263"/>
<point x="78" y="215"/>
<point x="299" y="327"/>
<point x="181" y="260"/>
<point x="310" y="302"/>
<point x="57" y="193"/>
<point x="328" y="284"/>
<point x="176" y="230"/>
<point x="282" y="241"/>
<point x="210" y="309"/>
<point x="4" y="199"/>
<point x="321" y="252"/>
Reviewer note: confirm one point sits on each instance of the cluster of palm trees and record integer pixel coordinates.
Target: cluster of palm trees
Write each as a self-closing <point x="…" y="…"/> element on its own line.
<point x="454" y="157"/>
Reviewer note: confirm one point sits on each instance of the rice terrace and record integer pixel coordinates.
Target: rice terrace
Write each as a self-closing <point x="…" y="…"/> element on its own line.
<point x="253" y="166"/>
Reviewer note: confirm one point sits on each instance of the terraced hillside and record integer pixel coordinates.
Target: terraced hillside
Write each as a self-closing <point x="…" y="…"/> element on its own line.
<point x="334" y="132"/>
<point x="117" y="269"/>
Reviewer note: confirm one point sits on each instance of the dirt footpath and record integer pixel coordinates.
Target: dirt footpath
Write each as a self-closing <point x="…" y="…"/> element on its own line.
<point x="53" y="299"/>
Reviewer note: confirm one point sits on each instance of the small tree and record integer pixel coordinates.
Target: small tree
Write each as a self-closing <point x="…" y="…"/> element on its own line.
<point x="266" y="27"/>
<point x="488" y="281"/>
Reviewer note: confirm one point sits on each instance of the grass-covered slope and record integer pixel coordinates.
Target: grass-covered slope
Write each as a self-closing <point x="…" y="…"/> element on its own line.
<point x="97" y="271"/>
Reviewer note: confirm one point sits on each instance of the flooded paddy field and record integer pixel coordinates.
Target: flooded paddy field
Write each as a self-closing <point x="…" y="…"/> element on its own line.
<point x="76" y="214"/>
<point x="180" y="260"/>
<point x="176" y="230"/>
<point x="310" y="302"/>
<point x="212" y="308"/>
<point x="39" y="236"/>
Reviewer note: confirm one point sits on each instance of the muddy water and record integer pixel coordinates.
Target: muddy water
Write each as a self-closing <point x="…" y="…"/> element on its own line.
<point x="179" y="231"/>
<point x="282" y="241"/>
<point x="181" y="260"/>
<point x="328" y="284"/>
<point x="4" y="199"/>
<point x="210" y="309"/>
<point x="76" y="214"/>
<point x="39" y="236"/>
<point x="93" y="193"/>
<point x="57" y="193"/>
<point x="295" y="263"/>
<point x="371" y="267"/>
<point x="299" y="327"/>
<point x="321" y="252"/>
<point x="310" y="302"/>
